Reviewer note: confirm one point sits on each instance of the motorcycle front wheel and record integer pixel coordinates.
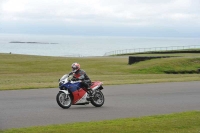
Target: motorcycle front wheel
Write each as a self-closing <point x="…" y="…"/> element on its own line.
<point x="64" y="100"/>
<point x="98" y="99"/>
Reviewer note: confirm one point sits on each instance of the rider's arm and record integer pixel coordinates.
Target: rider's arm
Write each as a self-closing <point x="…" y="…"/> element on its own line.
<point x="82" y="77"/>
<point x="70" y="73"/>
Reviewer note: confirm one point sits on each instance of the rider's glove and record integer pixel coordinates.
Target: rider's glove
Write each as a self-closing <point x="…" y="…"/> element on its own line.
<point x="74" y="79"/>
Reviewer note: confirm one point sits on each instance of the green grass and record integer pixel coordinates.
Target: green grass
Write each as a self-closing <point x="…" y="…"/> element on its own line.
<point x="27" y="72"/>
<point x="167" y="64"/>
<point x="186" y="122"/>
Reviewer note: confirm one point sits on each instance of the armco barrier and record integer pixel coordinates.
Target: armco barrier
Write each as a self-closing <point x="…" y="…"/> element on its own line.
<point x="154" y="49"/>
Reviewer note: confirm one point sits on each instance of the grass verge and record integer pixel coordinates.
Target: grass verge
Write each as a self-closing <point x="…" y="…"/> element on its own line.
<point x="186" y="122"/>
<point x="27" y="72"/>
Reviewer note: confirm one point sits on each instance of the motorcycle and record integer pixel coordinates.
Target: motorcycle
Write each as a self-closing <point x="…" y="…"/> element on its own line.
<point x="71" y="93"/>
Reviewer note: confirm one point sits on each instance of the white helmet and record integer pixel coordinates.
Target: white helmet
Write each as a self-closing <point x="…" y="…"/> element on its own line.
<point x="75" y="67"/>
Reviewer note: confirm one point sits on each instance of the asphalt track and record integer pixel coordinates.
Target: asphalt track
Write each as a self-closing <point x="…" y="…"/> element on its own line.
<point x="38" y="107"/>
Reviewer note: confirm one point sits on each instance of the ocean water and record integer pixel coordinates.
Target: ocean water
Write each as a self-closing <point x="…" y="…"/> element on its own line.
<point x="80" y="46"/>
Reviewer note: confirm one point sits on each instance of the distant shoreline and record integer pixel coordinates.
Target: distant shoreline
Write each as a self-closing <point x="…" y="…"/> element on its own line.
<point x="32" y="42"/>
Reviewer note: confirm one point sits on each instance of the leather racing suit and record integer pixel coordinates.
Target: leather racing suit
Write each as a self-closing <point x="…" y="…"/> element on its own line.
<point x="81" y="75"/>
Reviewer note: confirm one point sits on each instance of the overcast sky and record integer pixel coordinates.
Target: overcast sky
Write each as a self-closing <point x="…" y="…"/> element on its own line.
<point x="146" y="18"/>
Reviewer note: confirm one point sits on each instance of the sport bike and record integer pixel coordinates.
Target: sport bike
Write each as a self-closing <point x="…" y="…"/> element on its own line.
<point x="71" y="93"/>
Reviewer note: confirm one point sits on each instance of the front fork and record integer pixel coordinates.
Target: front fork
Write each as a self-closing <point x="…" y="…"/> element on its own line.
<point x="65" y="91"/>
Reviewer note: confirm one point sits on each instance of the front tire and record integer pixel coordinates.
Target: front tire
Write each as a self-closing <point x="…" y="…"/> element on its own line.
<point x="64" y="100"/>
<point x="98" y="99"/>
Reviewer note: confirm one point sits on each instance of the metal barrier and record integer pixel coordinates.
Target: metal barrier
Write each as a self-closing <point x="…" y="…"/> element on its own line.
<point x="156" y="49"/>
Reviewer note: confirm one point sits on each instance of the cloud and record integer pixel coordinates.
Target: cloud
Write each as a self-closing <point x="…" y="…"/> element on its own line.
<point x="114" y="13"/>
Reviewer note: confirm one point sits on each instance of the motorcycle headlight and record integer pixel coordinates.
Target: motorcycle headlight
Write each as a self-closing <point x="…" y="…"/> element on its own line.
<point x="61" y="83"/>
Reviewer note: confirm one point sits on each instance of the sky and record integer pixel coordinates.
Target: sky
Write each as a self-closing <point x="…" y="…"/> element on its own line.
<point x="138" y="18"/>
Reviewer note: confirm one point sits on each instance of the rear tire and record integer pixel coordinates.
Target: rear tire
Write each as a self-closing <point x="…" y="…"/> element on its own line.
<point x="98" y="99"/>
<point x="64" y="100"/>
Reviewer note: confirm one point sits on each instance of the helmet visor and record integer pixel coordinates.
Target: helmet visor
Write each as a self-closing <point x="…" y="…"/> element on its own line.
<point x="74" y="68"/>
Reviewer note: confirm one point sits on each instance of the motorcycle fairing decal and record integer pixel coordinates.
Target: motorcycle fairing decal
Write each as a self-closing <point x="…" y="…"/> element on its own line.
<point x="76" y="91"/>
<point x="81" y="93"/>
<point x="73" y="87"/>
<point x="79" y="96"/>
<point x="83" y="99"/>
<point x="76" y="96"/>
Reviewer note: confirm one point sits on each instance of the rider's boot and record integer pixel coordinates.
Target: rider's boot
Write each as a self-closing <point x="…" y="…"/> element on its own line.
<point x="90" y="92"/>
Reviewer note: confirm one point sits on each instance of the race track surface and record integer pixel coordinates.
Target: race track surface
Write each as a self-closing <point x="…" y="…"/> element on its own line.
<point x="25" y="108"/>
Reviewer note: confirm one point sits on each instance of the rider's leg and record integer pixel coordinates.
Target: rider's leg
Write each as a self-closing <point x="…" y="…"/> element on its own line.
<point x="89" y="90"/>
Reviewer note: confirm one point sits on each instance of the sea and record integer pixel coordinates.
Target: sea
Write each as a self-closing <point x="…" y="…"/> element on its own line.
<point x="83" y="46"/>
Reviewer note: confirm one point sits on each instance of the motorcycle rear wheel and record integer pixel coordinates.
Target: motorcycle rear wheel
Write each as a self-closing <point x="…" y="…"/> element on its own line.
<point x="63" y="100"/>
<point x="98" y="99"/>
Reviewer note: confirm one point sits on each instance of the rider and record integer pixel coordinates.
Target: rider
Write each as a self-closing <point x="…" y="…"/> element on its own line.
<point x="79" y="74"/>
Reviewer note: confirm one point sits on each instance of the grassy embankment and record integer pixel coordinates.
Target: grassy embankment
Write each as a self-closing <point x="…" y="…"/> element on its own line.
<point x="187" y="122"/>
<point x="27" y="72"/>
